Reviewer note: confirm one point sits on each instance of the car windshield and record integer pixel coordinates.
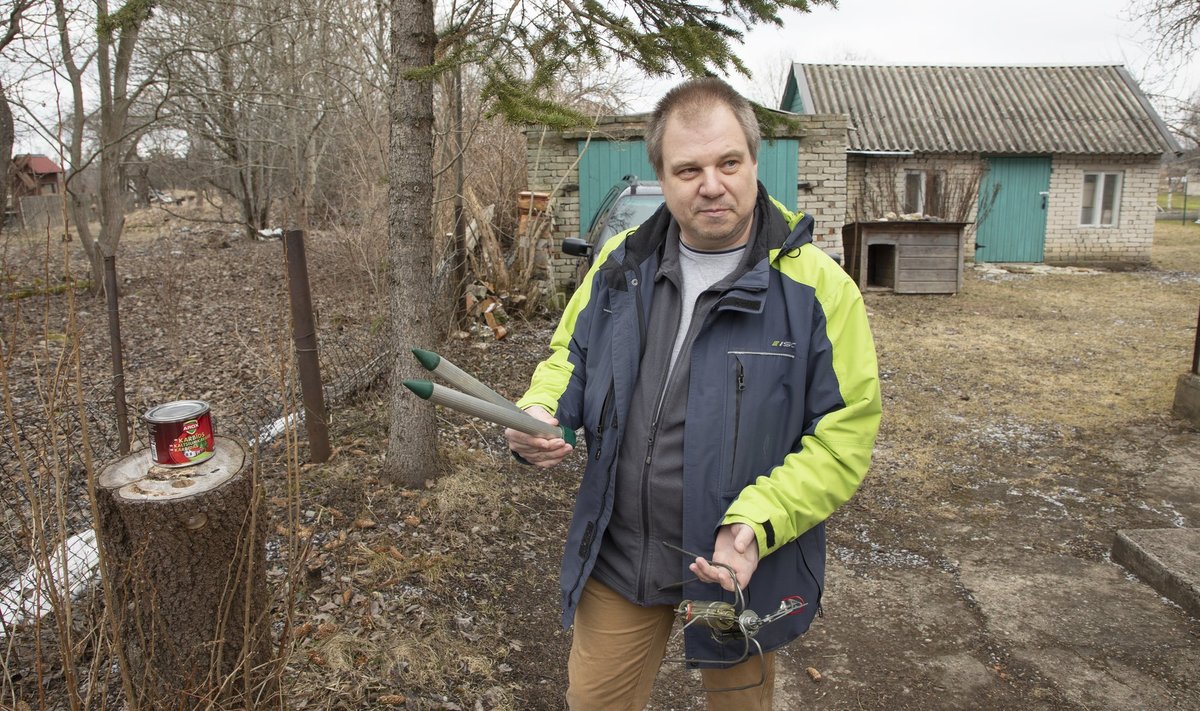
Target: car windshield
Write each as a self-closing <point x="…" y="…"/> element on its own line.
<point x="629" y="211"/>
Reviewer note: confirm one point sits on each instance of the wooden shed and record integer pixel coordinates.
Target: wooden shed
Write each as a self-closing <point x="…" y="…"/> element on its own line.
<point x="35" y="174"/>
<point x="34" y="181"/>
<point x="908" y="257"/>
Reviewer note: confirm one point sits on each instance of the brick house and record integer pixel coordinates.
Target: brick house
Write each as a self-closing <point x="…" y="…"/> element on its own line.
<point x="1054" y="164"/>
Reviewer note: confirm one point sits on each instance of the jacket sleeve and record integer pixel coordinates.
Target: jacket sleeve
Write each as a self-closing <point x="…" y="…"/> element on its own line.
<point x="841" y="420"/>
<point x="558" y="382"/>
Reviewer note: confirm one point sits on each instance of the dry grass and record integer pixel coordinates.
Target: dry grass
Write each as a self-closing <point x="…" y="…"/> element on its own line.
<point x="1029" y="361"/>
<point x="1177" y="247"/>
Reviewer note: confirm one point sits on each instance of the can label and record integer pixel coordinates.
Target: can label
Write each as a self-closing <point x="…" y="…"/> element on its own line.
<point x="180" y="435"/>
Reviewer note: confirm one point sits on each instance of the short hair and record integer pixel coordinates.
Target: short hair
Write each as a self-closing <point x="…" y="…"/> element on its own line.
<point x="689" y="98"/>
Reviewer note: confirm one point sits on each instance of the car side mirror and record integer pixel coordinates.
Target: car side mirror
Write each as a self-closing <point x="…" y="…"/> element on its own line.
<point x="576" y="247"/>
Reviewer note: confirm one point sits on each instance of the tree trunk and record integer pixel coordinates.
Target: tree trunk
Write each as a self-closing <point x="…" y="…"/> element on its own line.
<point x="412" y="455"/>
<point x="7" y="136"/>
<point x="185" y="557"/>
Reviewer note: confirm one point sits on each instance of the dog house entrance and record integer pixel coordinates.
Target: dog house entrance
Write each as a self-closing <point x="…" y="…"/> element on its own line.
<point x="881" y="266"/>
<point x="918" y="257"/>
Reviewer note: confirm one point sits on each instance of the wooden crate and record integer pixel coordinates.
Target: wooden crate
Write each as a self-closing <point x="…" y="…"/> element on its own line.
<point x="905" y="257"/>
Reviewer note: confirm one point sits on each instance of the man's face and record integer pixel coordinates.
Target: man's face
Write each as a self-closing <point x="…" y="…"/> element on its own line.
<point x="709" y="180"/>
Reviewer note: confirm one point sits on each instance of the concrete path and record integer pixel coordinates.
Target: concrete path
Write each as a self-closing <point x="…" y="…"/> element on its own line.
<point x="1166" y="559"/>
<point x="1007" y="604"/>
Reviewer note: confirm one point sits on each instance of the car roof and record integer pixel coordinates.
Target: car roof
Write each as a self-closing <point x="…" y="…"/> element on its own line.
<point x="647" y="187"/>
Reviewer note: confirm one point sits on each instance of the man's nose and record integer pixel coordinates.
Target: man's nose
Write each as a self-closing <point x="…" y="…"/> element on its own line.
<point x="711" y="185"/>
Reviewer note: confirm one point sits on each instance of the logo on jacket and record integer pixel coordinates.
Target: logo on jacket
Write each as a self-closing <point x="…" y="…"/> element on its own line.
<point x="790" y="345"/>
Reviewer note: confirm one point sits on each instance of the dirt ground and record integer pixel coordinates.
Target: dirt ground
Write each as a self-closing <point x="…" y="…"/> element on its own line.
<point x="1026" y="419"/>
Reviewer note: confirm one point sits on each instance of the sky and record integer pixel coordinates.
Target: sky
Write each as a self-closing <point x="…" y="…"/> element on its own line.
<point x="951" y="32"/>
<point x="959" y="32"/>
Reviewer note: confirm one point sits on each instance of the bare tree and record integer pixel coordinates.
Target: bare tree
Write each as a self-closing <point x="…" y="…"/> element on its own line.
<point x="111" y="58"/>
<point x="9" y="31"/>
<point x="267" y="96"/>
<point x="1174" y="23"/>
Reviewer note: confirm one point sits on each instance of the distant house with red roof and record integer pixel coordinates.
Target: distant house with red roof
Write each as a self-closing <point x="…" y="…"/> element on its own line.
<point x="34" y="174"/>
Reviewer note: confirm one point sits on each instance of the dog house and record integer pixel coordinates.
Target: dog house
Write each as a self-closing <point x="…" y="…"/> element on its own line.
<point x="917" y="257"/>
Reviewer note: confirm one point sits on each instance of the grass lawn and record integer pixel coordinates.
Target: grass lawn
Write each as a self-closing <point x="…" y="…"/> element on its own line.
<point x="1193" y="200"/>
<point x="1177" y="246"/>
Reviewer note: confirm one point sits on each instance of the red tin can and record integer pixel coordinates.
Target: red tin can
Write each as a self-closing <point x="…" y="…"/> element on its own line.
<point x="181" y="433"/>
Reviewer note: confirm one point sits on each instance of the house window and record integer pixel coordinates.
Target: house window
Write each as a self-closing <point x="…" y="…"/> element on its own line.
<point x="1101" y="199"/>
<point x="923" y="192"/>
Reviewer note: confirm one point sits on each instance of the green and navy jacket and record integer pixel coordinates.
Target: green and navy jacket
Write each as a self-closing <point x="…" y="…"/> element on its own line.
<point x="782" y="411"/>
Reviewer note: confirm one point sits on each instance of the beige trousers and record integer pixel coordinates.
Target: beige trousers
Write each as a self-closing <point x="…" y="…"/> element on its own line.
<point x="618" y="647"/>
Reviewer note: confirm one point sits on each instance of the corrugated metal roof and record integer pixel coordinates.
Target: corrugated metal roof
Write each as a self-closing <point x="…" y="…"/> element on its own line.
<point x="958" y="109"/>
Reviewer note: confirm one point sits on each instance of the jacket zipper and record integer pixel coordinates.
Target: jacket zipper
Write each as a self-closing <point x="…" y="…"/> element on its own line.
<point x="737" y="411"/>
<point x="643" y="567"/>
<point x="590" y="531"/>
<point x="604" y="409"/>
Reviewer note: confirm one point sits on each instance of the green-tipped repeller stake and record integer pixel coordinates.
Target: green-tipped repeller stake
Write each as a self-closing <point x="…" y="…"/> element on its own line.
<point x="461" y="379"/>
<point x="490" y="411"/>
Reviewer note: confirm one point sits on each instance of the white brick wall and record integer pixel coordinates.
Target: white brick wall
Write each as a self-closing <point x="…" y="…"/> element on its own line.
<point x="1130" y="240"/>
<point x="822" y="164"/>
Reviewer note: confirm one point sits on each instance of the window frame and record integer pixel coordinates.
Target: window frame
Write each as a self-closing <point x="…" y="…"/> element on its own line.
<point x="925" y="175"/>
<point x="1103" y="176"/>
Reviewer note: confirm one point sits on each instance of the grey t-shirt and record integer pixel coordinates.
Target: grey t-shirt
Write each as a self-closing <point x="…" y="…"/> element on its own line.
<point x="699" y="270"/>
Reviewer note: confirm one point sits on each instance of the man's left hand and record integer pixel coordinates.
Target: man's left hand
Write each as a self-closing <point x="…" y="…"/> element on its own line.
<point x="736" y="547"/>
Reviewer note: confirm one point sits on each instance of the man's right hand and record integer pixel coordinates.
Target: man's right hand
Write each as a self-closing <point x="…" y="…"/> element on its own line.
<point x="538" y="450"/>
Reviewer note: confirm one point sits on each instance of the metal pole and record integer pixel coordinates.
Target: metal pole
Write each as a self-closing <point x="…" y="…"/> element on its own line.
<point x="114" y="341"/>
<point x="304" y="335"/>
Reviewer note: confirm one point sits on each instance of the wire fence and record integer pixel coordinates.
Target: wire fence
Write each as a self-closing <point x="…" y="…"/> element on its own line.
<point x="45" y="510"/>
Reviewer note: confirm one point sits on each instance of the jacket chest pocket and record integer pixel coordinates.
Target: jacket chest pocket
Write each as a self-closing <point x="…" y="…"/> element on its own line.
<point x="763" y="399"/>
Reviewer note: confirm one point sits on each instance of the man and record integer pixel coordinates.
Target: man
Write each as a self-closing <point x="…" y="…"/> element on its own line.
<point x="725" y="376"/>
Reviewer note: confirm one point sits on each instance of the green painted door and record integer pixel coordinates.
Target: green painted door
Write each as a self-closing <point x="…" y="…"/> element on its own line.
<point x="604" y="163"/>
<point x="1012" y="210"/>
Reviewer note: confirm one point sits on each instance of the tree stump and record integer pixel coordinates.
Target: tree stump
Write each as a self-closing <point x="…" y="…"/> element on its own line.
<point x="185" y="559"/>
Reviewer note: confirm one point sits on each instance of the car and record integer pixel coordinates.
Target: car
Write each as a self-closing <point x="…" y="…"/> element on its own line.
<point x="627" y="204"/>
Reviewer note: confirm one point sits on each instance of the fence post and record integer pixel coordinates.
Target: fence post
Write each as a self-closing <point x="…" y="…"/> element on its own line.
<point x="1196" y="349"/>
<point x="304" y="336"/>
<point x="1183" y="220"/>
